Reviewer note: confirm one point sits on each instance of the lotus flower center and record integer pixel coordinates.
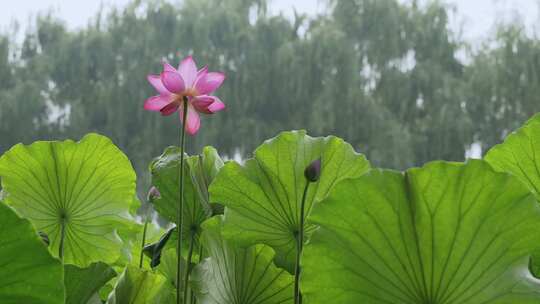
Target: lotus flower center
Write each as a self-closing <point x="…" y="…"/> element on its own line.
<point x="177" y="99"/>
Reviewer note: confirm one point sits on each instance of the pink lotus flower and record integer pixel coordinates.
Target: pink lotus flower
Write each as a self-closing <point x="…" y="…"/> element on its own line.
<point x="173" y="85"/>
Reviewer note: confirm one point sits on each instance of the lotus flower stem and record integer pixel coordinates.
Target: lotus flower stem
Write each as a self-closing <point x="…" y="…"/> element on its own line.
<point x="193" y="299"/>
<point x="188" y="263"/>
<point x="200" y="253"/>
<point x="143" y="237"/>
<point x="180" y="212"/>
<point x="186" y="90"/>
<point x="299" y="247"/>
<point x="62" y="237"/>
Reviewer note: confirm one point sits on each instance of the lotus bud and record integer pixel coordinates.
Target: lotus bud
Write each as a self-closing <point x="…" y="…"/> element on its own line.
<point x="313" y="171"/>
<point x="153" y="194"/>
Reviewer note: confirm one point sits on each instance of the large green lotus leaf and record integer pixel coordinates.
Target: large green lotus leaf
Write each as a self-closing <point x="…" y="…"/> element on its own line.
<point x="83" y="283"/>
<point x="520" y="155"/>
<point x="165" y="178"/>
<point x="446" y="233"/>
<point x="263" y="197"/>
<point x="89" y="185"/>
<point x="28" y="273"/>
<point x="238" y="275"/>
<point x="139" y="286"/>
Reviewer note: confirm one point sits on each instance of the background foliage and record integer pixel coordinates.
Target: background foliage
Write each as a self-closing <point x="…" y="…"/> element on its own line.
<point x="383" y="75"/>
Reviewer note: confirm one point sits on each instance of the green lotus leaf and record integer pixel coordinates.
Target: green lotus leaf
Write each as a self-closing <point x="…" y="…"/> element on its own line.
<point x="95" y="299"/>
<point x="520" y="155"/>
<point x="139" y="286"/>
<point x="131" y="245"/>
<point x="131" y="252"/>
<point x="83" y="283"/>
<point x="204" y="168"/>
<point x="89" y="186"/>
<point x="28" y="273"/>
<point x="263" y="197"/>
<point x="238" y="275"/>
<point x="134" y="206"/>
<point x="165" y="178"/>
<point x="167" y="267"/>
<point x="132" y="234"/>
<point x="446" y="233"/>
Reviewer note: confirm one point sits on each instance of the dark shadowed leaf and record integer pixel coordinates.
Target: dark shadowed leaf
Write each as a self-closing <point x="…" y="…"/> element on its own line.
<point x="83" y="283"/>
<point x="28" y="273"/>
<point x="153" y="251"/>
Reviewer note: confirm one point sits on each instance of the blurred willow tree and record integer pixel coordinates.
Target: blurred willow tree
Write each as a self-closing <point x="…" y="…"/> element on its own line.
<point x="382" y="74"/>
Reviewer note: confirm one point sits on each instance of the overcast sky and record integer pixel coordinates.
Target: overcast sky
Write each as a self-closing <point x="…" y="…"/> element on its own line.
<point x="477" y="16"/>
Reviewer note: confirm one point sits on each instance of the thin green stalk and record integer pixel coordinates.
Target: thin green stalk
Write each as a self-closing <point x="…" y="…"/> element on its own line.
<point x="193" y="299"/>
<point x="188" y="262"/>
<point x="299" y="247"/>
<point x="200" y="252"/>
<point x="180" y="212"/>
<point x="143" y="237"/>
<point x="62" y="237"/>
